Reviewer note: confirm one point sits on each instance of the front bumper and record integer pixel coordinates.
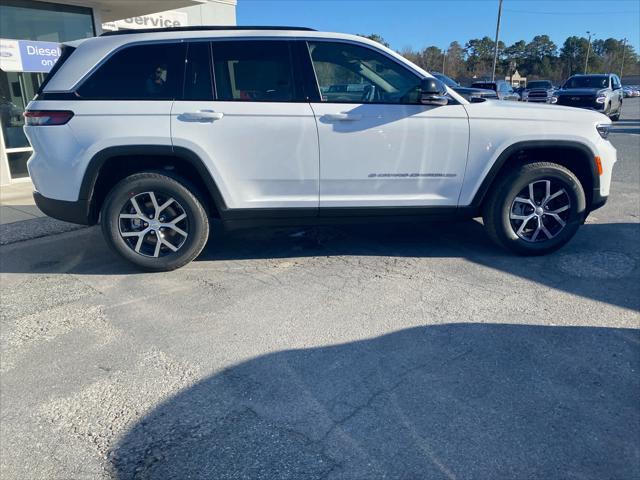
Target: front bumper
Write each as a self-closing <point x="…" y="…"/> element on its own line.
<point x="72" y="212"/>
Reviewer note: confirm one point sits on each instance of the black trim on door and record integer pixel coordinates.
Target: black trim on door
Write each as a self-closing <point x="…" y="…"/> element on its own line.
<point x="597" y="201"/>
<point x="88" y="185"/>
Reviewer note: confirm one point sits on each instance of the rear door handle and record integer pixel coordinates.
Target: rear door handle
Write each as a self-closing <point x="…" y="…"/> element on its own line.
<point x="202" y="115"/>
<point x="343" y="117"/>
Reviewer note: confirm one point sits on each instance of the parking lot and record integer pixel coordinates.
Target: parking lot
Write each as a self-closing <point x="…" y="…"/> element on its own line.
<point x="370" y="351"/>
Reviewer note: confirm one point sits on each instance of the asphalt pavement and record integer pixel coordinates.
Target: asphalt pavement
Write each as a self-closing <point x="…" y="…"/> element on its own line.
<point x="358" y="352"/>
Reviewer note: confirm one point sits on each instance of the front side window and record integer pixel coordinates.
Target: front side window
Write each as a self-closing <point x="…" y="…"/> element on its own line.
<point x="615" y="81"/>
<point x="140" y="72"/>
<point x="258" y="71"/>
<point x="348" y="73"/>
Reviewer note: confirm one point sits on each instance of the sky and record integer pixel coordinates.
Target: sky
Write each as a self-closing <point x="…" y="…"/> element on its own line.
<point x="420" y="23"/>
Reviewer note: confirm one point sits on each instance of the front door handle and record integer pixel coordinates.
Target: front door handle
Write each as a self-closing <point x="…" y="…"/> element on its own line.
<point x="343" y="117"/>
<point x="201" y="115"/>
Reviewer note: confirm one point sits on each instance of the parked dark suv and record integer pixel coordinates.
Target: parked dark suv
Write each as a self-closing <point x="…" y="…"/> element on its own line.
<point x="502" y="89"/>
<point x="601" y="92"/>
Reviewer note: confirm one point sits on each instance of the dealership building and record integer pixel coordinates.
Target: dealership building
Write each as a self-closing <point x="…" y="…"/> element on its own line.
<point x="30" y="31"/>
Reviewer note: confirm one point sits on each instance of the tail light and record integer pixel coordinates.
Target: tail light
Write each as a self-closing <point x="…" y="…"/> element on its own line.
<point x="47" y="117"/>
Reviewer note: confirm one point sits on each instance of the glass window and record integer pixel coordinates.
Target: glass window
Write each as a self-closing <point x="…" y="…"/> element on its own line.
<point x="591" y="81"/>
<point x="485" y="86"/>
<point x="349" y="73"/>
<point x="141" y="72"/>
<point x="197" y="77"/>
<point x="259" y="71"/>
<point x="30" y="20"/>
<point x="16" y="90"/>
<point x="615" y="81"/>
<point x="18" y="164"/>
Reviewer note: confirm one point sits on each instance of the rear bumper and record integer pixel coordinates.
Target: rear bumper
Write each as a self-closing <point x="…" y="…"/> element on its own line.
<point x="73" y="212"/>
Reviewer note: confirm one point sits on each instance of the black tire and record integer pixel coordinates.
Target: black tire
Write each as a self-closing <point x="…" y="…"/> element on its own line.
<point x="616" y="116"/>
<point x="186" y="201"/>
<point x="502" y="199"/>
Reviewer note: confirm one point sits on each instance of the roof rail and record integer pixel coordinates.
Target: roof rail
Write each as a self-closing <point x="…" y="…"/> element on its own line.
<point x="202" y="27"/>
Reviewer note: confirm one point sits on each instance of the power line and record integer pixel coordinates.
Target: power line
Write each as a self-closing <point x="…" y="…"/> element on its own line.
<point x="636" y="12"/>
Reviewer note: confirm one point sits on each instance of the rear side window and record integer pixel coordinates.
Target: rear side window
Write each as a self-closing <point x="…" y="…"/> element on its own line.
<point x="64" y="56"/>
<point x="198" y="84"/>
<point x="259" y="71"/>
<point x="140" y="72"/>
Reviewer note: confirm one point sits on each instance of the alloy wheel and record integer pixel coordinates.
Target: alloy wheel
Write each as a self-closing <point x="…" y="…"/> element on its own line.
<point x="153" y="224"/>
<point x="540" y="211"/>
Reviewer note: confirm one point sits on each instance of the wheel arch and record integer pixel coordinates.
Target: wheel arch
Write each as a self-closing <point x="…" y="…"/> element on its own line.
<point x="101" y="173"/>
<point x="576" y="156"/>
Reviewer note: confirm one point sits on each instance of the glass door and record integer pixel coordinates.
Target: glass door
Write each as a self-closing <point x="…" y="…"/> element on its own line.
<point x="16" y="91"/>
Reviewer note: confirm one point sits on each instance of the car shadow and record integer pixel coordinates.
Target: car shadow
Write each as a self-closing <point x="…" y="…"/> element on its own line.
<point x="485" y="401"/>
<point x="600" y="263"/>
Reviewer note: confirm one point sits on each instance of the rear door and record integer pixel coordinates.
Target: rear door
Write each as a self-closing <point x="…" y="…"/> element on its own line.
<point x="245" y="115"/>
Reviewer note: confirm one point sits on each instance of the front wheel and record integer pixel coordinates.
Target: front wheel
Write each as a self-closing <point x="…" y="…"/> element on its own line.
<point x="154" y="221"/>
<point x="535" y="209"/>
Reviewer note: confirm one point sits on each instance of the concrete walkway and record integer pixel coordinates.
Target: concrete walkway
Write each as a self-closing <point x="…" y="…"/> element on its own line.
<point x="21" y="220"/>
<point x="16" y="203"/>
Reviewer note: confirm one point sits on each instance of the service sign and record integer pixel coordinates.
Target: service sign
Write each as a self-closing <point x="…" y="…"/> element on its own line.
<point x="28" y="55"/>
<point x="167" y="19"/>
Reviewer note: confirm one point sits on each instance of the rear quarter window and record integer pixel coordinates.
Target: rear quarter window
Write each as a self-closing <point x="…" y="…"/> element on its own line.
<point x="139" y="72"/>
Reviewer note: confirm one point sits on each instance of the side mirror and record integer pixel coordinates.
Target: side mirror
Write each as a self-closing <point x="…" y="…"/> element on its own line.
<point x="433" y="92"/>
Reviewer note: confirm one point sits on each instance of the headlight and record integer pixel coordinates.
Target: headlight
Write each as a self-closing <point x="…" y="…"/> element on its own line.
<point x="603" y="129"/>
<point x="601" y="99"/>
<point x="554" y="99"/>
<point x="525" y="94"/>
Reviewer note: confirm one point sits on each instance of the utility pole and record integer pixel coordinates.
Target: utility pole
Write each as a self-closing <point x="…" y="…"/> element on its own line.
<point x="624" y="50"/>
<point x="495" y="50"/>
<point x="586" y="60"/>
<point x="444" y="58"/>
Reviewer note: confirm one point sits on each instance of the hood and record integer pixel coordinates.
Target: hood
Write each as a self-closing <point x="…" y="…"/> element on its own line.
<point x="580" y="91"/>
<point x="534" y="112"/>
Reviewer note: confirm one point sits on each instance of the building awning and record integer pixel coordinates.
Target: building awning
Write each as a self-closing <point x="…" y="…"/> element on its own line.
<point x="111" y="10"/>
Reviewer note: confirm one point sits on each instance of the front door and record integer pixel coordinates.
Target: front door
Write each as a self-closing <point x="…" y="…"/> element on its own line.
<point x="378" y="145"/>
<point x="258" y="135"/>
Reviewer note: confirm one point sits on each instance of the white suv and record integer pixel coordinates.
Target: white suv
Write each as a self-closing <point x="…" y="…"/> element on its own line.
<point x="153" y="133"/>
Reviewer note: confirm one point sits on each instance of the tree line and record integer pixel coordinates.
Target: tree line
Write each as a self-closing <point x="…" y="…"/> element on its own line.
<point x="540" y="58"/>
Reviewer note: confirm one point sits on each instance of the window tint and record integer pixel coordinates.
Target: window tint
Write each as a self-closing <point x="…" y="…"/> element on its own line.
<point x="259" y="71"/>
<point x="595" y="81"/>
<point x="349" y="73"/>
<point x="485" y="85"/>
<point x="144" y="72"/>
<point x="197" y="76"/>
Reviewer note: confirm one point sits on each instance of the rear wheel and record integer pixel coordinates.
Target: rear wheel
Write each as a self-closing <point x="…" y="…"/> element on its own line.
<point x="535" y="209"/>
<point x="154" y="221"/>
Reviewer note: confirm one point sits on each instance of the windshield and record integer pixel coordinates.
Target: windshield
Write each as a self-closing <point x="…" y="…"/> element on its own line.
<point x="599" y="81"/>
<point x="485" y="85"/>
<point x="540" y="84"/>
<point x="446" y="80"/>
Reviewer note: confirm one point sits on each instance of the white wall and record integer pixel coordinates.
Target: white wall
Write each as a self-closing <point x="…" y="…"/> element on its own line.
<point x="215" y="12"/>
